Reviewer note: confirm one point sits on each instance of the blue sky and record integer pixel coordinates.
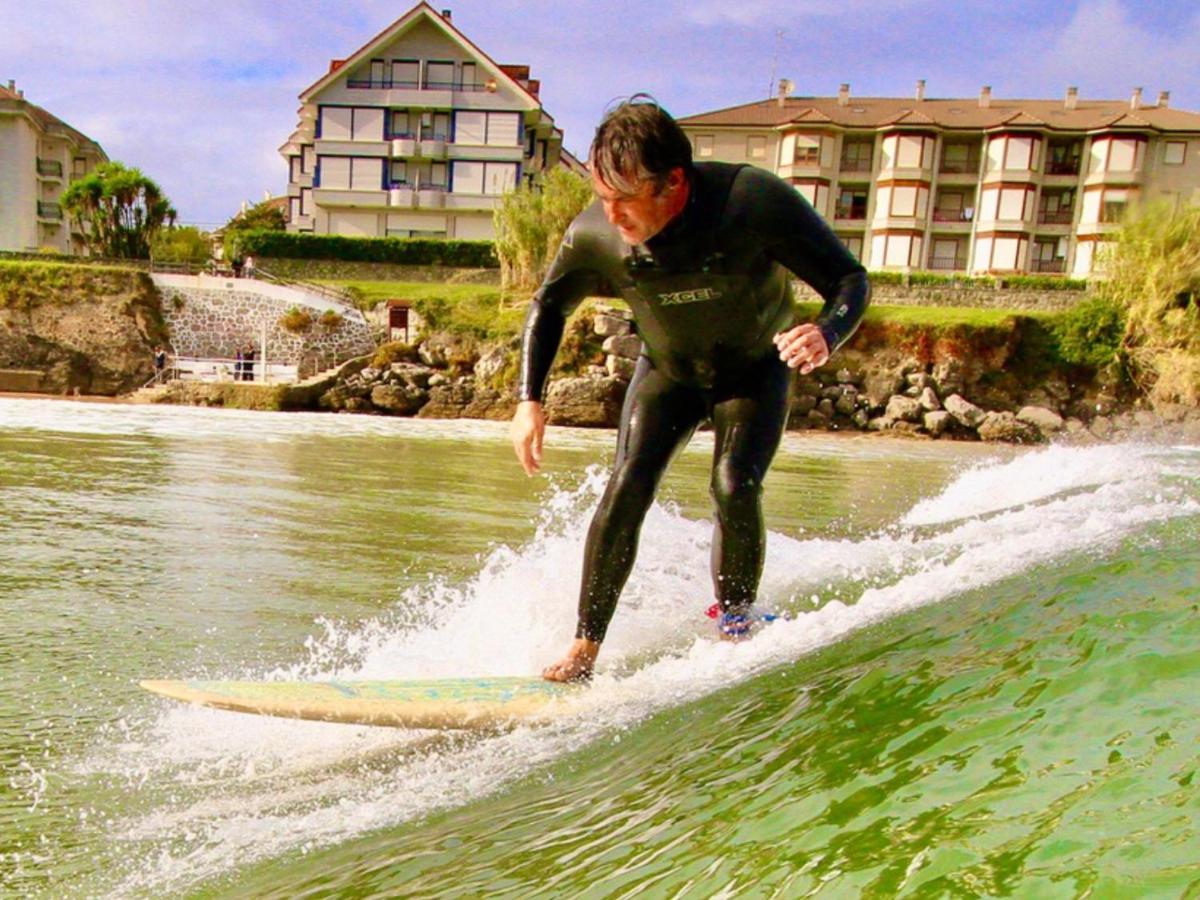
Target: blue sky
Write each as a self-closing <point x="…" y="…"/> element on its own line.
<point x="200" y="96"/>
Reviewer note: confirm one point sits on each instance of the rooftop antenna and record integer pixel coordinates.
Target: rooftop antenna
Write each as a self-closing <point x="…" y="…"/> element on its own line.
<point x="775" y="62"/>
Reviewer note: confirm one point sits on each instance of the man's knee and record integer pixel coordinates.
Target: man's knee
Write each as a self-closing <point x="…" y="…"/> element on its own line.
<point x="735" y="488"/>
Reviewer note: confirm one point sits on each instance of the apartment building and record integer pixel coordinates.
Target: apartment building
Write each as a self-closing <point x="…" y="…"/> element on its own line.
<point x="39" y="156"/>
<point x="416" y="134"/>
<point x="980" y="185"/>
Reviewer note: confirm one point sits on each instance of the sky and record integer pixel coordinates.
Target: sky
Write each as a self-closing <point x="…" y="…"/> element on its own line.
<point x="201" y="96"/>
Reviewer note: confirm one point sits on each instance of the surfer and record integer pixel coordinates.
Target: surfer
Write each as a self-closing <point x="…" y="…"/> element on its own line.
<point x="699" y="252"/>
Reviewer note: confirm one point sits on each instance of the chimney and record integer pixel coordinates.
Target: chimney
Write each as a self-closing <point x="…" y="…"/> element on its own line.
<point x="844" y="94"/>
<point x="12" y="85"/>
<point x="1164" y="99"/>
<point x="784" y="90"/>
<point x="985" y="96"/>
<point x="1072" y="100"/>
<point x="920" y="90"/>
<point x="446" y="14"/>
<point x="1135" y="102"/>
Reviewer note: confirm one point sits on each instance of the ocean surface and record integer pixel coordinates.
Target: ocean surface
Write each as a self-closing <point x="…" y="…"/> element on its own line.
<point x="988" y="684"/>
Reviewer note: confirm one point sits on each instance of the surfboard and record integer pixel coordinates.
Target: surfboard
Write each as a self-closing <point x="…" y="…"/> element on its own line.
<point x="441" y="703"/>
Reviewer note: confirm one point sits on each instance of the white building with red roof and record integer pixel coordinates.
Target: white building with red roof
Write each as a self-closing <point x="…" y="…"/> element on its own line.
<point x="981" y="185"/>
<point x="416" y="134"/>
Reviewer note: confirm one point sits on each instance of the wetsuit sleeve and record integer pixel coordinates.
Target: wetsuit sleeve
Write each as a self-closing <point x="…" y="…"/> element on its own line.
<point x="572" y="276"/>
<point x="801" y="241"/>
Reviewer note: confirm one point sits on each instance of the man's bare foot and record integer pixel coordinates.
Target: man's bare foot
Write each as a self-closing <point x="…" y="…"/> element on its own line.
<point x="577" y="665"/>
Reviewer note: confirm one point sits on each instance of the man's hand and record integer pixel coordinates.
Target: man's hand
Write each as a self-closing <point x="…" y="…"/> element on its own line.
<point x="527" y="431"/>
<point x="803" y="346"/>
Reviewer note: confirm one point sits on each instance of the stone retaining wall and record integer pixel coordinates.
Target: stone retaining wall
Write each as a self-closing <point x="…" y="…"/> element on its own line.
<point x="332" y="269"/>
<point x="965" y="295"/>
<point x="213" y="318"/>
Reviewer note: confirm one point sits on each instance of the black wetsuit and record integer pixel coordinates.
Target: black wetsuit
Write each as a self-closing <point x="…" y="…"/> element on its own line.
<point x="708" y="293"/>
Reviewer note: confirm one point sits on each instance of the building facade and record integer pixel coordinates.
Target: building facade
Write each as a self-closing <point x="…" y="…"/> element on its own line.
<point x="39" y="156"/>
<point x="979" y="185"/>
<point x="417" y="134"/>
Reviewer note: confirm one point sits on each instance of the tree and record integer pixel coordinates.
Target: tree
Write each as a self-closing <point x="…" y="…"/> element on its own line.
<point x="530" y="223"/>
<point x="265" y="216"/>
<point x="184" y="245"/>
<point x="1152" y="271"/>
<point x="118" y="209"/>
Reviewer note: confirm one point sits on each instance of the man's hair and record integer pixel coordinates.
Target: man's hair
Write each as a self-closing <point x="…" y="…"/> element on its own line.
<point x="638" y="141"/>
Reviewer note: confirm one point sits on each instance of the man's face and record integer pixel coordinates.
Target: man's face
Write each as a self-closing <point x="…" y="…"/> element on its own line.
<point x="640" y="216"/>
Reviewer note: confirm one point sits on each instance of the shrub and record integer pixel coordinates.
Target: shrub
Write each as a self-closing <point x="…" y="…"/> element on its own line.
<point x="331" y="320"/>
<point x="296" y="320"/>
<point x="394" y="352"/>
<point x="530" y="224"/>
<point x="401" y="251"/>
<point x="1089" y="333"/>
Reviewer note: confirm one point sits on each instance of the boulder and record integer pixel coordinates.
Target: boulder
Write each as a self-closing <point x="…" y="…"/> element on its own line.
<point x="847" y="402"/>
<point x="949" y="376"/>
<point x="618" y="367"/>
<point x="447" y="400"/>
<point x="491" y="404"/>
<point x="588" y="402"/>
<point x="850" y="376"/>
<point x="903" y="409"/>
<point x="606" y="325"/>
<point x="964" y="411"/>
<point x="625" y="346"/>
<point x="937" y="422"/>
<point x="1044" y="420"/>
<point x="491" y="362"/>
<point x="1006" y="427"/>
<point x="409" y="373"/>
<point x="879" y="387"/>
<point x="825" y="408"/>
<point x="399" y="399"/>
<point x="803" y="404"/>
<point x="1101" y="427"/>
<point x="928" y="400"/>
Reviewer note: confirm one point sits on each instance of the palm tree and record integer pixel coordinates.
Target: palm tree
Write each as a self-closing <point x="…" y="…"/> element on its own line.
<point x="118" y="209"/>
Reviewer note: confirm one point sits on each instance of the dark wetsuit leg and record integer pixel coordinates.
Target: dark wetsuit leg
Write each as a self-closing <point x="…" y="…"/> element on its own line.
<point x="658" y="417"/>
<point x="749" y="421"/>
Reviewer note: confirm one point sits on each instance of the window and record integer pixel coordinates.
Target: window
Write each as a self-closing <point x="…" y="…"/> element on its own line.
<point x="904" y="201"/>
<point x="960" y="158"/>
<point x="78" y="167"/>
<point x="367" y="124"/>
<point x="439" y="74"/>
<point x="1062" y="157"/>
<point x="308" y="159"/>
<point x="704" y="146"/>
<point x="1174" y="153"/>
<point x="498" y="129"/>
<point x="351" y="173"/>
<point x="293" y="169"/>
<point x="378" y="73"/>
<point x="815" y="192"/>
<point x="1112" y="205"/>
<point x="437" y="174"/>
<point x="474" y="177"/>
<point x="851" y="205"/>
<point x="808" y="150"/>
<point x="756" y="147"/>
<point x="399" y="172"/>
<point x="856" y="156"/>
<point x="406" y="73"/>
<point x="335" y="123"/>
<point x="306" y="203"/>
<point x="403" y="125"/>
<point x="896" y="250"/>
<point x="467" y="79"/>
<point x="1122" y="155"/>
<point x="293" y="209"/>
<point x="435" y="127"/>
<point x="854" y="244"/>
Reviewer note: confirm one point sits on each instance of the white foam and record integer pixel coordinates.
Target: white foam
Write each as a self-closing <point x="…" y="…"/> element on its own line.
<point x="255" y="788"/>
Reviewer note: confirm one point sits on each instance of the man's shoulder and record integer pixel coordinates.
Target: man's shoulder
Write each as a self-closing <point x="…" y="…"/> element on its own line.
<point x="591" y="231"/>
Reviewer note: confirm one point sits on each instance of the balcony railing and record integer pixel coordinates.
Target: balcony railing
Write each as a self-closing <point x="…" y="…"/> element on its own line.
<point x="1054" y="266"/>
<point x="49" y="210"/>
<point x="1062" y="217"/>
<point x="953" y="215"/>
<point x="948" y="262"/>
<point x="959" y="166"/>
<point x="389" y="84"/>
<point x="850" y="215"/>
<point x="856" y="165"/>
<point x="1062" y="167"/>
<point x="49" y="167"/>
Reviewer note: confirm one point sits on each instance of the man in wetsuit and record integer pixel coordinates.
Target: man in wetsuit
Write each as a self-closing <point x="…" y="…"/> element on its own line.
<point x="702" y="254"/>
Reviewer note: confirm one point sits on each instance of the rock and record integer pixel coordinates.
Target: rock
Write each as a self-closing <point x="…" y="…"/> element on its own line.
<point x="803" y="404"/>
<point x="879" y="387"/>
<point x="606" y="325"/>
<point x="1102" y="427"/>
<point x="410" y="373"/>
<point x="928" y="400"/>
<point x="879" y="423"/>
<point x="1074" y="426"/>
<point x="850" y="376"/>
<point x="1145" y="419"/>
<point x="909" y="429"/>
<point x="964" y="411"/>
<point x="806" y="386"/>
<point x="491" y="404"/>
<point x="447" y="400"/>
<point x="817" y="419"/>
<point x="437" y="378"/>
<point x="825" y="408"/>
<point x="949" y="376"/>
<point x="619" y="367"/>
<point x="937" y="422"/>
<point x="368" y="374"/>
<point x="1006" y="427"/>
<point x="848" y="402"/>
<point x="626" y="346"/>
<point x="401" y="399"/>
<point x="1044" y="420"/>
<point x="861" y="419"/>
<point x="919" y="380"/>
<point x="833" y="392"/>
<point x="587" y="402"/>
<point x="903" y="409"/>
<point x="490" y="364"/>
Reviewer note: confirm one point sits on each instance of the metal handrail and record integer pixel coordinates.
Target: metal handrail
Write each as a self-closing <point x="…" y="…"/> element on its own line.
<point x="311" y="287"/>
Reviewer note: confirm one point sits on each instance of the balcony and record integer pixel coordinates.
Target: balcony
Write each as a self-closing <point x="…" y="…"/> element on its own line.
<point x="956" y="216"/>
<point x="432" y="147"/>
<point x="850" y="214"/>
<point x="1062" y="167"/>
<point x="1059" y="217"/>
<point x="1050" y="266"/>
<point x="49" y="210"/>
<point x="855" y="165"/>
<point x="969" y="166"/>
<point x="456" y="200"/>
<point x="404" y="146"/>
<point x="948" y="263"/>
<point x="402" y="195"/>
<point x="431" y="196"/>
<point x="49" y="168"/>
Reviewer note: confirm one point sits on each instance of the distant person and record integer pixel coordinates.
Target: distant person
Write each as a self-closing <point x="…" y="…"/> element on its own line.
<point x="160" y="363"/>
<point x="704" y="254"/>
<point x="248" y="356"/>
<point x="248" y="267"/>
<point x="238" y="263"/>
<point x="238" y="365"/>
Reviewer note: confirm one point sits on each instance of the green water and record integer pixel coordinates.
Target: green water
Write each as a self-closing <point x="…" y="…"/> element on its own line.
<point x="993" y="694"/>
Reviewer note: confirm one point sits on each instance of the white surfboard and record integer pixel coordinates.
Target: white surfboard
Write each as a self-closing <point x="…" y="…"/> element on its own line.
<point x="441" y="703"/>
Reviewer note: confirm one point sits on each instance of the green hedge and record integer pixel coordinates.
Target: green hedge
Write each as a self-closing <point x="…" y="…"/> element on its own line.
<point x="403" y="251"/>
<point x="1003" y="282"/>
